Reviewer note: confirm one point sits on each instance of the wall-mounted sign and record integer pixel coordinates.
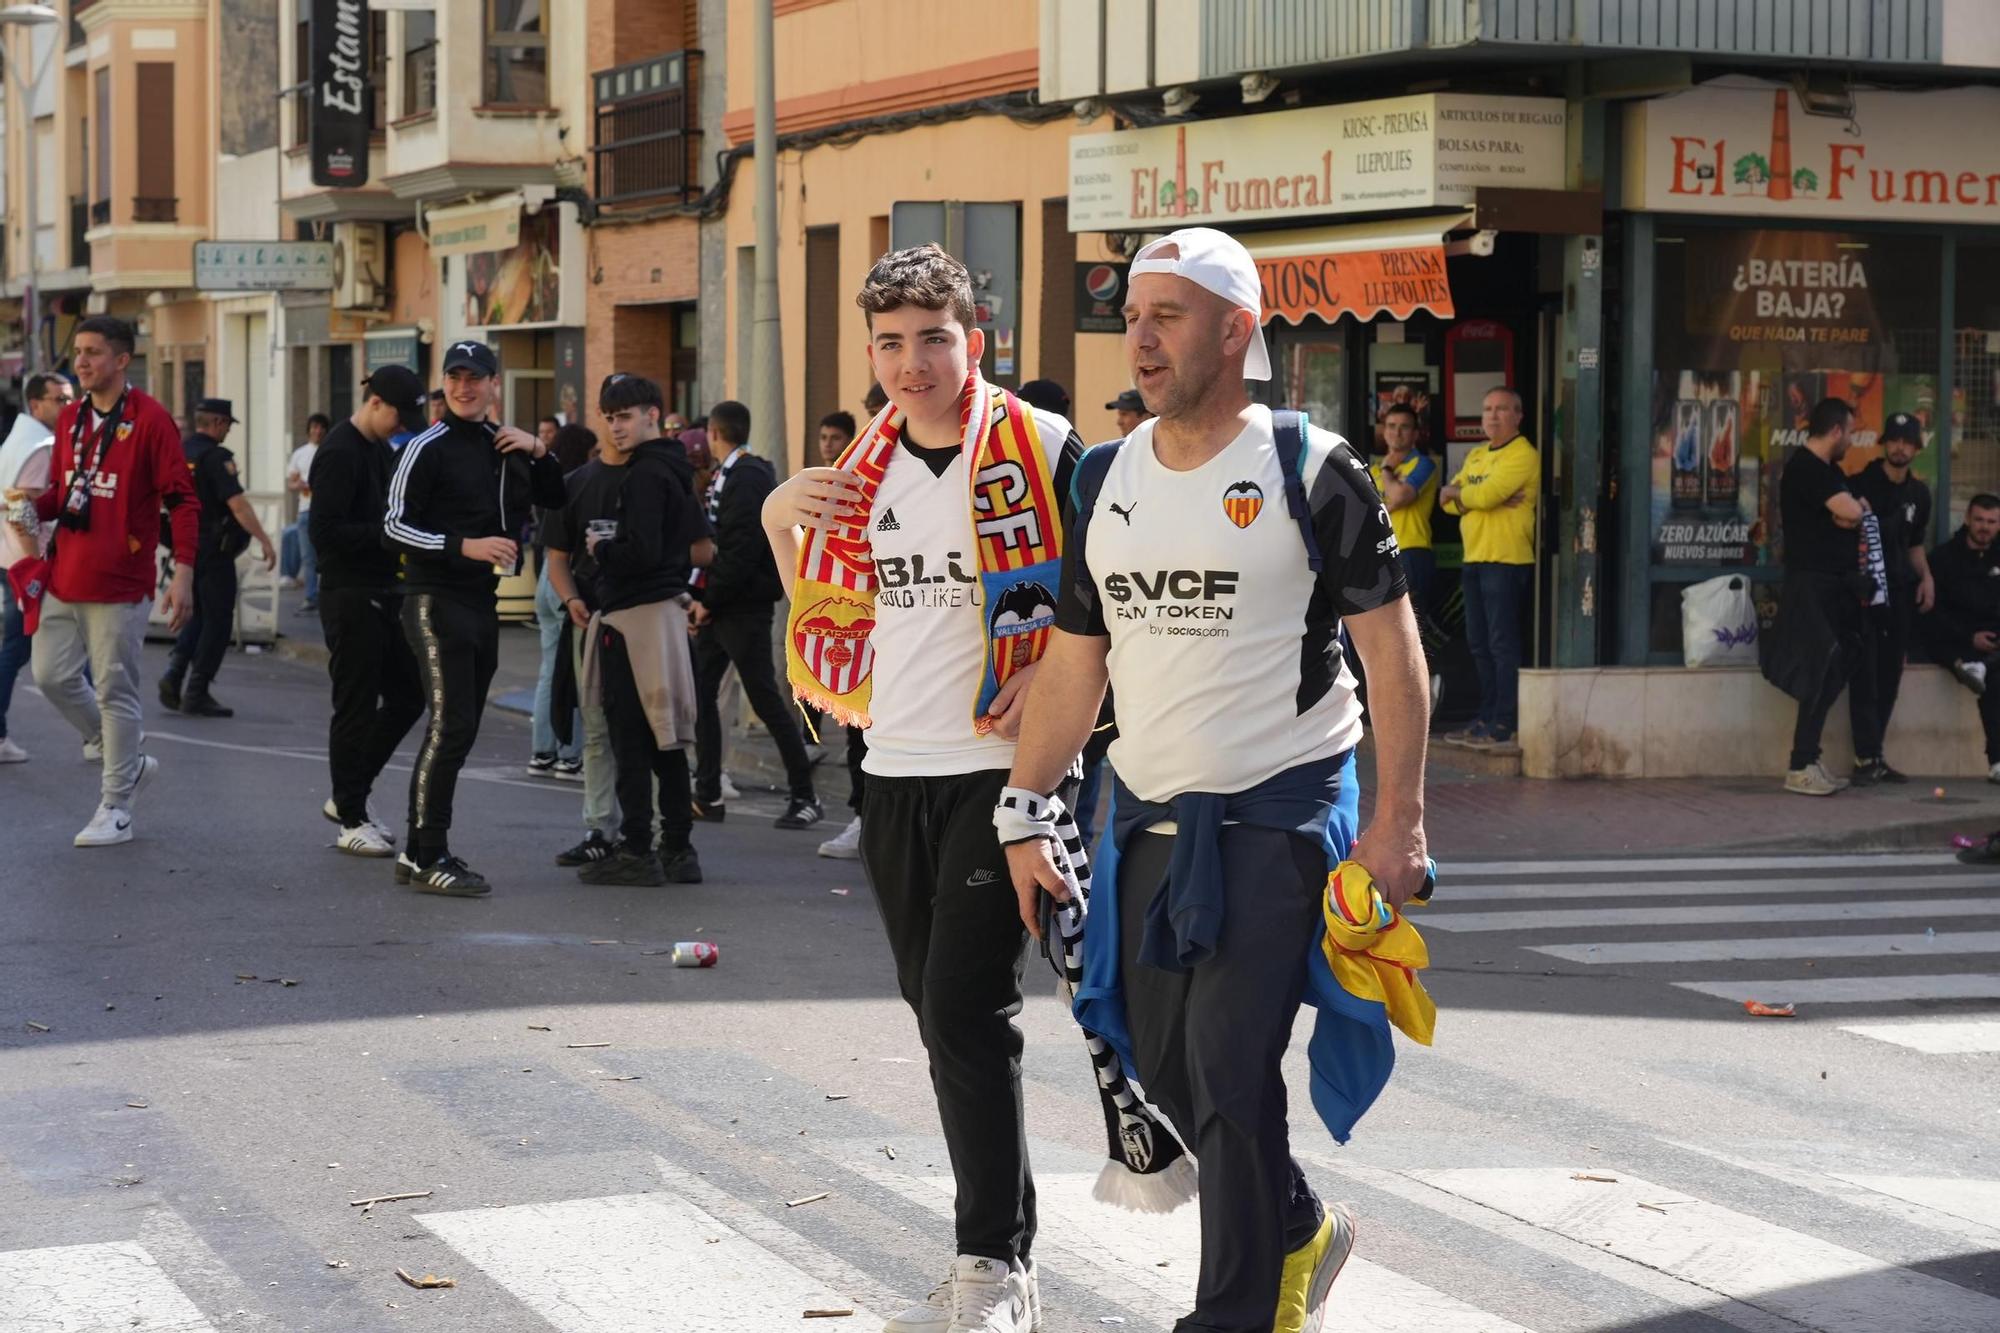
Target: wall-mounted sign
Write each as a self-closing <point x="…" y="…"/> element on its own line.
<point x="1745" y="146"/>
<point x="341" y="104"/>
<point x="263" y="266"/>
<point x="392" y="347"/>
<point x="1426" y="151"/>
<point x="474" y="228"/>
<point x="1100" y="297"/>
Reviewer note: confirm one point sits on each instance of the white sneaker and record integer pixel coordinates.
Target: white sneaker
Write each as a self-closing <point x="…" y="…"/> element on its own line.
<point x="11" y="753"/>
<point x="106" y="828"/>
<point x="1993" y="773"/>
<point x="93" y="750"/>
<point x="846" y="844"/>
<point x="931" y="1315"/>
<point x="1812" y="780"/>
<point x="332" y="813"/>
<point x="988" y="1296"/>
<point x="363" y="840"/>
<point x="148" y="766"/>
<point x="729" y="792"/>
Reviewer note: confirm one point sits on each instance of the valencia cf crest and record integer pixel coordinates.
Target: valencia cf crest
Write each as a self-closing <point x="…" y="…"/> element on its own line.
<point x="1021" y="610"/>
<point x="832" y="641"/>
<point x="1243" y="501"/>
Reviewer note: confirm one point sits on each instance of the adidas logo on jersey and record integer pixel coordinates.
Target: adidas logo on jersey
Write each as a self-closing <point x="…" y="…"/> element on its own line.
<point x="888" y="523"/>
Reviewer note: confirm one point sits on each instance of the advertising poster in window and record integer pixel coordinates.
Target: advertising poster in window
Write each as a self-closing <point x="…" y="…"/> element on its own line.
<point x="520" y="285"/>
<point x="1752" y="329"/>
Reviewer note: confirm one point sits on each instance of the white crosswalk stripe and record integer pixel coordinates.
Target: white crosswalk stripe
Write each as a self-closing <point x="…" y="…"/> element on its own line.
<point x="93" y="1289"/>
<point x="1749" y="901"/>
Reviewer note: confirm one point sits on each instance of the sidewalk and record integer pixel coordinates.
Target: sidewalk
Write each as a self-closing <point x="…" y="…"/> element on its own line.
<point x="1469" y="814"/>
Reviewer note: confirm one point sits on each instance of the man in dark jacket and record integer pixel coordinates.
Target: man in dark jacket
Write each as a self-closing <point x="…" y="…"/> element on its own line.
<point x="227" y="525"/>
<point x="377" y="692"/>
<point x="458" y="505"/>
<point x="1962" y="630"/>
<point x="736" y="595"/>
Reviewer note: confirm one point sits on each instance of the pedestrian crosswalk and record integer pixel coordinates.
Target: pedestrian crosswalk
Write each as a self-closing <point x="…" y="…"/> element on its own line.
<point x="1815" y="931"/>
<point x="690" y="1257"/>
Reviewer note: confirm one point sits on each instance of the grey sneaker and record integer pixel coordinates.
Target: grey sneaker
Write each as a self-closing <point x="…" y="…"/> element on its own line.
<point x="1812" y="780"/>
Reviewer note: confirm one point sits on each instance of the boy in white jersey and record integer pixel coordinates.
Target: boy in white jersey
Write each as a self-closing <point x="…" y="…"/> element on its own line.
<point x="921" y="600"/>
<point x="1208" y="570"/>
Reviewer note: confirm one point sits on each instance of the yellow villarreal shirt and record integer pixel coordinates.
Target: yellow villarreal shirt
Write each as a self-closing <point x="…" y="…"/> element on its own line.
<point x="1494" y="532"/>
<point x="1411" y="523"/>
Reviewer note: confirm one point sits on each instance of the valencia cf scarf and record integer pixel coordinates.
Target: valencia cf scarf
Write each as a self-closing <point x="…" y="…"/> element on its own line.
<point x="1018" y="531"/>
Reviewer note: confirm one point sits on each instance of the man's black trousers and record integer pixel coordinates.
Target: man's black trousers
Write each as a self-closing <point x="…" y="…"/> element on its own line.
<point x="457" y="643"/>
<point x="1878" y="671"/>
<point x="1209" y="1044"/>
<point x="744" y="639"/>
<point x="205" y="637"/>
<point x="639" y="759"/>
<point x="947" y="901"/>
<point x="377" y="692"/>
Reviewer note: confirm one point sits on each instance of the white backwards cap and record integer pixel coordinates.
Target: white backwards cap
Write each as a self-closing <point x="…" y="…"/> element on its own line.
<point x="1216" y="262"/>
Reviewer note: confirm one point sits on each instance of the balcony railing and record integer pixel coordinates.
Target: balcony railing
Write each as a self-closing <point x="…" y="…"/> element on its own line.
<point x="154" y="209"/>
<point x="100" y="213"/>
<point x="79" y="223"/>
<point x="648" y="135"/>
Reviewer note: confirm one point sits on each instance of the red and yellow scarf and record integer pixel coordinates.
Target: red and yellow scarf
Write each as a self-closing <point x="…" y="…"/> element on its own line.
<point x="1017" y="528"/>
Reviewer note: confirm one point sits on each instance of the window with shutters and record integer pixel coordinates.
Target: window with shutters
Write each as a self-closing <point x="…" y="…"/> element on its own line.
<point x="100" y="184"/>
<point x="420" y="66"/>
<point x="154" y="99"/>
<point x="823" y="308"/>
<point x="301" y="86"/>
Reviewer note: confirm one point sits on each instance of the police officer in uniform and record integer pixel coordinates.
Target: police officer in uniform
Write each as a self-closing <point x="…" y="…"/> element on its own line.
<point x="228" y="524"/>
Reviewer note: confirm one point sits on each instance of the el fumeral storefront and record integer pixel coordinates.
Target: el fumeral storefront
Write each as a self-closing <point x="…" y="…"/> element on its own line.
<point x="1749" y="257"/>
<point x="1410" y="249"/>
<point x="1771" y="257"/>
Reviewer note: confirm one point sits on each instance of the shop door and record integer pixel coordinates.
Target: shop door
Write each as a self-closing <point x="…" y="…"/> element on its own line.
<point x="1308" y="373"/>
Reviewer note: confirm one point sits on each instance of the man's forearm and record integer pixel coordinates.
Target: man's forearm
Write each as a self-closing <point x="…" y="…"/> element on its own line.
<point x="1062" y="707"/>
<point x="1398" y="708"/>
<point x="559" y="579"/>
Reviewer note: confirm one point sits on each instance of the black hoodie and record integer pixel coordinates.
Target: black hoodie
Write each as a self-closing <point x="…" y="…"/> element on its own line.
<point x="451" y="485"/>
<point x="648" y="560"/>
<point x="1968" y="594"/>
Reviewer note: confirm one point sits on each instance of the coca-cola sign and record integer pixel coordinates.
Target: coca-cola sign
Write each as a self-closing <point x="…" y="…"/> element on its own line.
<point x="340" y="103"/>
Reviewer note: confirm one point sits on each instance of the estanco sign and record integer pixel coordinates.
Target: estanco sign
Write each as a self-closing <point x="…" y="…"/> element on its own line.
<point x="1748" y="147"/>
<point x="1403" y="152"/>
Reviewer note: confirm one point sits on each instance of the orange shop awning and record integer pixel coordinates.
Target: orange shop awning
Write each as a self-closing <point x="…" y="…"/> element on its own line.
<point x="1363" y="269"/>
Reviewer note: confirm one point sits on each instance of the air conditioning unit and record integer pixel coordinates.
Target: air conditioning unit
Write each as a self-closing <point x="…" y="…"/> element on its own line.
<point x="360" y="266"/>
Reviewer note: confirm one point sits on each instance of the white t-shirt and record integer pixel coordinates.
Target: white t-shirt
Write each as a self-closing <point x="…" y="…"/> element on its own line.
<point x="25" y="459"/>
<point x="929" y="639"/>
<point x="301" y="466"/>
<point x="1225" y="654"/>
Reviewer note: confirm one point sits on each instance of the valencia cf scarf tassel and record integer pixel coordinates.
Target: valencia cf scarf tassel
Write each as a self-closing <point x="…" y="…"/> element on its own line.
<point x="1149" y="1170"/>
<point x="1016" y="525"/>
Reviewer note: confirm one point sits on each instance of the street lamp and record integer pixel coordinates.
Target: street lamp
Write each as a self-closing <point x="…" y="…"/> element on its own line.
<point x="30" y="16"/>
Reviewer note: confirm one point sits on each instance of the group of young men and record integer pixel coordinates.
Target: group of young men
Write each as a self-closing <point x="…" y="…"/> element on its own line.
<point x="964" y="584"/>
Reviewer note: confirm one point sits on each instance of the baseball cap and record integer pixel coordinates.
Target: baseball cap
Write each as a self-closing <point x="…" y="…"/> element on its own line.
<point x="1216" y="262"/>
<point x="399" y="387"/>
<point x="1045" y="394"/>
<point x="471" y="355"/>
<point x="1128" y="401"/>
<point x="216" y="407"/>
<point x="1902" y="426"/>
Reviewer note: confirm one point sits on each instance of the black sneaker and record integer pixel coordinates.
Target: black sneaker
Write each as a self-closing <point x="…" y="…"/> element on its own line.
<point x="541" y="763"/>
<point x="592" y="849"/>
<point x="1985" y="853"/>
<point x="1884" y="773"/>
<point x="170" y="694"/>
<point x="682" y="867"/>
<point x="625" y="866"/>
<point x="200" y="703"/>
<point x="803" y="812"/>
<point x="709" y="812"/>
<point x="451" y="878"/>
<point x="1866" y="774"/>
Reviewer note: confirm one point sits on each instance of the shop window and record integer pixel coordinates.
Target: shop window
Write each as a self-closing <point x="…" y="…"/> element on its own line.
<point x="517" y="53"/>
<point x="419" y="63"/>
<point x="1751" y="328"/>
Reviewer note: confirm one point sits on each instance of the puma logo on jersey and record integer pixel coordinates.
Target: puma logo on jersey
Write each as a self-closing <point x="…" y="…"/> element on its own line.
<point x="1125" y="513"/>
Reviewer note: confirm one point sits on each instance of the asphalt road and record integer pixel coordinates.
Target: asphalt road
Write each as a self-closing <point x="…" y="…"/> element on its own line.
<point x="1601" y="1139"/>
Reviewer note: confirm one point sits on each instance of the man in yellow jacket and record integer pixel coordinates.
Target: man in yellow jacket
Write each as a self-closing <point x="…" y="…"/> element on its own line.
<point x="1494" y="495"/>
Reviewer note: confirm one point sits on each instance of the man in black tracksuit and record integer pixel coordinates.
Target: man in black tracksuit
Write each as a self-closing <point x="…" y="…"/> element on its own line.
<point x="458" y="504"/>
<point x="737" y="594"/>
<point x="377" y="692"/>
<point x="227" y="525"/>
<point x="631" y="525"/>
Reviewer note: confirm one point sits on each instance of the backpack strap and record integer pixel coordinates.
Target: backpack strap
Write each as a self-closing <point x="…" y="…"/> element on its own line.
<point x="1088" y="479"/>
<point x="1289" y="429"/>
